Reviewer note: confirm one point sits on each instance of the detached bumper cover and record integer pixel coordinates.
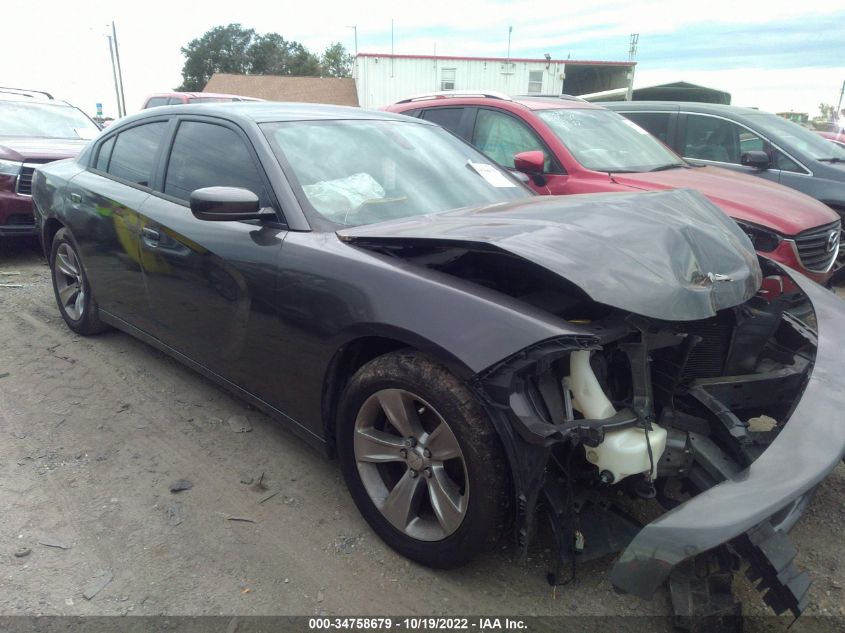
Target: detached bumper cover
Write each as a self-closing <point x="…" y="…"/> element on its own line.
<point x="808" y="448"/>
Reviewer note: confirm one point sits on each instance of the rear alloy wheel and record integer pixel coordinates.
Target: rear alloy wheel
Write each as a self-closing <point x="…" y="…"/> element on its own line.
<point x="71" y="287"/>
<point x="422" y="460"/>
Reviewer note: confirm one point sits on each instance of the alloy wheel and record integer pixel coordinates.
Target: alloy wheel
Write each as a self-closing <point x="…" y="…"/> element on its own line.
<point x="69" y="283"/>
<point x="411" y="464"/>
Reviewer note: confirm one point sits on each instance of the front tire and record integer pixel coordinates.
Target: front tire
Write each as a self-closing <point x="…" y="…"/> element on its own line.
<point x="71" y="287"/>
<point x="422" y="460"/>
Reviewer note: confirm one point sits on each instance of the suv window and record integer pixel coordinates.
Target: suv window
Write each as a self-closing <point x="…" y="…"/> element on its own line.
<point x="450" y="118"/>
<point x="209" y="155"/>
<point x="657" y="123"/>
<point x="134" y="152"/>
<point x="710" y="138"/>
<point x="500" y="136"/>
<point x="152" y="102"/>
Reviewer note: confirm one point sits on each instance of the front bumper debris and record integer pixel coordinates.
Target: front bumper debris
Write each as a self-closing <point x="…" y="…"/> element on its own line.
<point x="775" y="486"/>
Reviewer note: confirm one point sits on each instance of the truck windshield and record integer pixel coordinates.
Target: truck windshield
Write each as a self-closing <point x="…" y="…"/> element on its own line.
<point x="44" y="120"/>
<point x="602" y="140"/>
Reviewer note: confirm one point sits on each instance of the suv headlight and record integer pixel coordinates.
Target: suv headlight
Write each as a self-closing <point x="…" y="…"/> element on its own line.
<point x="9" y="167"/>
<point x="763" y="240"/>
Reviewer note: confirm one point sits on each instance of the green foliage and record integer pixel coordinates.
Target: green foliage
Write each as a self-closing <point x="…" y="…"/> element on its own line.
<point x="223" y="49"/>
<point x="235" y="49"/>
<point x="336" y="62"/>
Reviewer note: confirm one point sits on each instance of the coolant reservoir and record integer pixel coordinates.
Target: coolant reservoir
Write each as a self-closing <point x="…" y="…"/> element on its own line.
<point x="623" y="452"/>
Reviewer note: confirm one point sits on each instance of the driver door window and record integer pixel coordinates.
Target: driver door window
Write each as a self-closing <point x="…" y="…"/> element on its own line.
<point x="500" y="136"/>
<point x="710" y="138"/>
<point x="209" y="155"/>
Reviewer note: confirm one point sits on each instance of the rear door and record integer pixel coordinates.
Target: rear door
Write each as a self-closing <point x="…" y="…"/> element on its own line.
<point x="212" y="284"/>
<point x="103" y="215"/>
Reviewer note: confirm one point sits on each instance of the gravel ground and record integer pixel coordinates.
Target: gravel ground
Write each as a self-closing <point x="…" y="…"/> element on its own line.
<point x="94" y="430"/>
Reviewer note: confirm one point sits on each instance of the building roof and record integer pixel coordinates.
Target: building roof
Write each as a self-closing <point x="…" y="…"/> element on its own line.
<point x="331" y="90"/>
<point x="500" y="59"/>
<point x="675" y="91"/>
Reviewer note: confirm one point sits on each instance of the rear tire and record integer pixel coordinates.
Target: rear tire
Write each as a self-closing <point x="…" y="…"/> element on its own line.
<point x="71" y="287"/>
<point x="430" y="477"/>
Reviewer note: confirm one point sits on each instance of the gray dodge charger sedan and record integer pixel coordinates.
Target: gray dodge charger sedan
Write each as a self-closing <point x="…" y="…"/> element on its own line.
<point x="479" y="360"/>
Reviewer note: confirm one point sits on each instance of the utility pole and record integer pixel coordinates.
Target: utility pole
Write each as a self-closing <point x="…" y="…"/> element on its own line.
<point x="632" y="53"/>
<point x="355" y="65"/>
<point x="839" y="105"/>
<point x="391" y="48"/>
<point x="114" y="74"/>
<point x="119" y="72"/>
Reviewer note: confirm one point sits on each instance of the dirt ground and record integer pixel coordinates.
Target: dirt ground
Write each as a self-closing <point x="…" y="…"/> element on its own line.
<point x="94" y="430"/>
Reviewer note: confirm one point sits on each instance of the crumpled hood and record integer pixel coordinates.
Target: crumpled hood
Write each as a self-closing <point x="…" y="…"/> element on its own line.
<point x="669" y="255"/>
<point x="742" y="196"/>
<point x="40" y="148"/>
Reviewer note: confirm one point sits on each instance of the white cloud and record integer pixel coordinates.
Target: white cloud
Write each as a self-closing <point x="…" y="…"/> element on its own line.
<point x="61" y="46"/>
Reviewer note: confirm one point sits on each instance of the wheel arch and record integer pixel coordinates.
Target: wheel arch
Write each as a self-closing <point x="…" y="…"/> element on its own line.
<point x="48" y="232"/>
<point x="358" y="351"/>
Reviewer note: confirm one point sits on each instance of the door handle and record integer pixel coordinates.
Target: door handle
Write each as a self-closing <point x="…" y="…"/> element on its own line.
<point x="151" y="236"/>
<point x="75" y="198"/>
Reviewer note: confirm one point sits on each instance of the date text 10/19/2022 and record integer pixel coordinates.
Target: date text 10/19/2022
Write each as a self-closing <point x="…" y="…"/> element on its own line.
<point x="480" y="624"/>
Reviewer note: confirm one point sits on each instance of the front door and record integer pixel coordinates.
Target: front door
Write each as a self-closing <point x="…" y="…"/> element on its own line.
<point x="212" y="284"/>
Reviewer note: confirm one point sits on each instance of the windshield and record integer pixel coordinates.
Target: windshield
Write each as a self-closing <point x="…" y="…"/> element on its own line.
<point x="797" y="137"/>
<point x="602" y="140"/>
<point x="44" y="120"/>
<point x="361" y="172"/>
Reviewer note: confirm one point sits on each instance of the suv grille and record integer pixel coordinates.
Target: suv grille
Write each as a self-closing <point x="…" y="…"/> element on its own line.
<point x="20" y="220"/>
<point x="818" y="247"/>
<point x="24" y="184"/>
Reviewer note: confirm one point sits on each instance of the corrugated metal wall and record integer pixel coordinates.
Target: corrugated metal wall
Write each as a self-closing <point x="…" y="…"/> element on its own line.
<point x="385" y="80"/>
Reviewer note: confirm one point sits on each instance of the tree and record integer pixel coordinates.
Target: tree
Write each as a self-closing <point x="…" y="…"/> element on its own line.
<point x="336" y="62"/>
<point x="234" y="49"/>
<point x="223" y="49"/>
<point x="271" y="54"/>
<point x="827" y="111"/>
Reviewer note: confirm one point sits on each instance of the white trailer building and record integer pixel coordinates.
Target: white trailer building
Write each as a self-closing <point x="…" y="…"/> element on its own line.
<point x="383" y="79"/>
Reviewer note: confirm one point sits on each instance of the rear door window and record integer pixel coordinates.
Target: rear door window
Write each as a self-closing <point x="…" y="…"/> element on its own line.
<point x="156" y="101"/>
<point x="656" y="123"/>
<point x="135" y="150"/>
<point x="450" y="118"/>
<point x="210" y="155"/>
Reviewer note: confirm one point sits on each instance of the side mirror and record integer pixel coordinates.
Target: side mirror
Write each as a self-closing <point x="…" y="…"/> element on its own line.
<point x="226" y="204"/>
<point x="531" y="163"/>
<point x="756" y="158"/>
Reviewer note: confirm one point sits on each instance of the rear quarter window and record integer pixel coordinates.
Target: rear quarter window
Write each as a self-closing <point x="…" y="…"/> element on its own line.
<point x="134" y="154"/>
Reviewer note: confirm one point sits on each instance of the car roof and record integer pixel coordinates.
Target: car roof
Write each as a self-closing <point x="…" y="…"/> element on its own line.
<point x="529" y="102"/>
<point x="271" y="111"/>
<point x="199" y="95"/>
<point x="731" y="111"/>
<point x="546" y="103"/>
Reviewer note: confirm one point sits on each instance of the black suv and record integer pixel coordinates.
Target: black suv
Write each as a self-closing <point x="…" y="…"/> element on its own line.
<point x="35" y="129"/>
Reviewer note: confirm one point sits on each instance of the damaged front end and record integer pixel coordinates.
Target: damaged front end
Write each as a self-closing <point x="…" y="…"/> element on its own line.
<point x="730" y="422"/>
<point x="681" y="374"/>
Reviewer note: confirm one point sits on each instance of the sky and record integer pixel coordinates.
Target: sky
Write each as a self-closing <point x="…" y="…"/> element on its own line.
<point x="777" y="55"/>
